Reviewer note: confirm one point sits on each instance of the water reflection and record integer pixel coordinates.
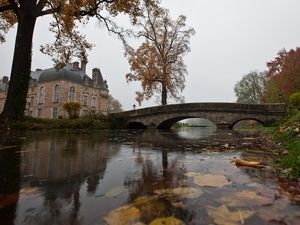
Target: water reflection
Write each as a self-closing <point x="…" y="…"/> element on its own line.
<point x="9" y="178"/>
<point x="195" y="132"/>
<point x="77" y="178"/>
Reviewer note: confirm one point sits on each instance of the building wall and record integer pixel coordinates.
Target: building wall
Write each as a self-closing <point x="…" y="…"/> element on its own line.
<point x="84" y="95"/>
<point x="2" y="99"/>
<point x="88" y="105"/>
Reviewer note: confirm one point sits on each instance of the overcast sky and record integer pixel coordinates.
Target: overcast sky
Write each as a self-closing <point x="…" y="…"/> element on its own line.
<point x="233" y="37"/>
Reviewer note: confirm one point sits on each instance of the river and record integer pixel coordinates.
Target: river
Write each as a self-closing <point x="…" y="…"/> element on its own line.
<point x="183" y="176"/>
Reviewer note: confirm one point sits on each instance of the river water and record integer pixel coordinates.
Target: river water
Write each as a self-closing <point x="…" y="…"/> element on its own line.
<point x="183" y="176"/>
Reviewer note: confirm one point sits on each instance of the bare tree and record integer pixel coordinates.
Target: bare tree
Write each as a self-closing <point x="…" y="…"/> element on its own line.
<point x="251" y="88"/>
<point x="114" y="105"/>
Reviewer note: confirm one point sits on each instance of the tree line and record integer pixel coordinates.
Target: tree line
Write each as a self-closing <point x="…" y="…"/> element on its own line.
<point x="280" y="83"/>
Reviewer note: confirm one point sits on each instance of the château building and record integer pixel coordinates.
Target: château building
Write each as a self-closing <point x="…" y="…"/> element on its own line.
<point x="49" y="89"/>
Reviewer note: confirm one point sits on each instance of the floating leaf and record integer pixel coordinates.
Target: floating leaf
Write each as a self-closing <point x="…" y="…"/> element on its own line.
<point x="9" y="199"/>
<point x="29" y="190"/>
<point x="240" y="162"/>
<point x="192" y="174"/>
<point x="181" y="191"/>
<point x="152" y="206"/>
<point x="245" y="198"/>
<point x="211" y="180"/>
<point x="115" y="192"/>
<point x="126" y="215"/>
<point x="167" y="221"/>
<point x="222" y="216"/>
<point x="145" y="200"/>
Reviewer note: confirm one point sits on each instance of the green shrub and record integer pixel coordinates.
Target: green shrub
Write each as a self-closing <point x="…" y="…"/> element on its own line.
<point x="294" y="100"/>
<point x="72" y="109"/>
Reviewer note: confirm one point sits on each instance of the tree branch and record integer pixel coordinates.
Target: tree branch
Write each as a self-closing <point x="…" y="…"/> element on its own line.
<point x="14" y="6"/>
<point x="49" y="11"/>
<point x="5" y="8"/>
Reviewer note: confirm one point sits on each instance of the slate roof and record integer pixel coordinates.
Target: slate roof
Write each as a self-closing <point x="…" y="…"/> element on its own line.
<point x="66" y="73"/>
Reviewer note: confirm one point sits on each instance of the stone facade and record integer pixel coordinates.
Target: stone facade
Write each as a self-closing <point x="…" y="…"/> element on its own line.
<point x="49" y="89"/>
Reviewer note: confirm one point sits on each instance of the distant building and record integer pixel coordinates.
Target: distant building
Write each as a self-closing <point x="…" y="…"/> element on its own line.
<point x="49" y="89"/>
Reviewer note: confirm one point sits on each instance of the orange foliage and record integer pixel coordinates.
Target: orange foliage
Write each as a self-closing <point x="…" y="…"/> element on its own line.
<point x="67" y="14"/>
<point x="158" y="62"/>
<point x="284" y="73"/>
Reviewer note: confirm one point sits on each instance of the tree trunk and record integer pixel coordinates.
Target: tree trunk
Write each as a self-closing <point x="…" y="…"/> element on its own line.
<point x="20" y="73"/>
<point x="164" y="95"/>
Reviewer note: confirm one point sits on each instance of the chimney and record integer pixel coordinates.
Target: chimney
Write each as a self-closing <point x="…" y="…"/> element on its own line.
<point x="96" y="73"/>
<point x="75" y="65"/>
<point x="5" y="80"/>
<point x="83" y="66"/>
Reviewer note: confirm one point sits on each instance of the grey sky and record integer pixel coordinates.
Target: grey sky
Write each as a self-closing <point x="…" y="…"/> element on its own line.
<point x="233" y="37"/>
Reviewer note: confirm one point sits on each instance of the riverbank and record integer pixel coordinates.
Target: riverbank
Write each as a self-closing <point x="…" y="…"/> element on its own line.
<point x="287" y="135"/>
<point x="89" y="122"/>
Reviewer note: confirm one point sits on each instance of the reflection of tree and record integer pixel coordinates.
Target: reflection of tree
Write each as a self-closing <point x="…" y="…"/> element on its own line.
<point x="10" y="178"/>
<point x="155" y="177"/>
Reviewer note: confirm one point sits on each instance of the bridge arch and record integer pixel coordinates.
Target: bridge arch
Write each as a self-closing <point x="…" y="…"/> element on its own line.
<point x="136" y="125"/>
<point x="167" y="124"/>
<point x="245" y="119"/>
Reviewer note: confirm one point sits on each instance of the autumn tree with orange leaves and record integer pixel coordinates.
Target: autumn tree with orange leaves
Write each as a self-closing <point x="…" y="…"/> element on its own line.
<point x="67" y="15"/>
<point x="283" y="76"/>
<point x="158" y="62"/>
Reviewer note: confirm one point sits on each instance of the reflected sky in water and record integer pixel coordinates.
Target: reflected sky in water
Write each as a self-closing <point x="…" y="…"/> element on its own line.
<point x="80" y="178"/>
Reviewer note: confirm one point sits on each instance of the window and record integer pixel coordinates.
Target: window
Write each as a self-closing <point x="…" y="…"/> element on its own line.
<point x="94" y="102"/>
<point x="85" y="100"/>
<point x="54" y="113"/>
<point x="32" y="100"/>
<point x="56" y="93"/>
<point x="72" y="94"/>
<point x="40" y="113"/>
<point x="42" y="95"/>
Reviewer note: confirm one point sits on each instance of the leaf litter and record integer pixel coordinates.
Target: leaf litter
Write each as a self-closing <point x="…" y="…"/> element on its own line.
<point x="223" y="216"/>
<point x="246" y="198"/>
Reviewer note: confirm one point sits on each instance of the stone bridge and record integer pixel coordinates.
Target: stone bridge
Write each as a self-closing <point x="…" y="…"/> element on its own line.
<point x="223" y="115"/>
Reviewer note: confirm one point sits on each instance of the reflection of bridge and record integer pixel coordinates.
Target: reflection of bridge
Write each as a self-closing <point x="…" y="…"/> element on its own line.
<point x="223" y="115"/>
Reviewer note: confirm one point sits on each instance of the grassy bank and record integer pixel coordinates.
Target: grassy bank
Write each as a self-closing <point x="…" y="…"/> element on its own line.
<point x="89" y="122"/>
<point x="288" y="135"/>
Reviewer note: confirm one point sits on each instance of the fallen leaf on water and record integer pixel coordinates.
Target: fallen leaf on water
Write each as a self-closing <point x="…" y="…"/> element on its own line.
<point x="9" y="199"/>
<point x="211" y="180"/>
<point x="181" y="191"/>
<point x="222" y="216"/>
<point x="167" y="221"/>
<point x="115" y="192"/>
<point x="143" y="200"/>
<point x="126" y="215"/>
<point x="29" y="190"/>
<point x="287" y="217"/>
<point x="151" y="206"/>
<point x="240" y="162"/>
<point x="246" y="198"/>
<point x="281" y="212"/>
<point x="192" y="174"/>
